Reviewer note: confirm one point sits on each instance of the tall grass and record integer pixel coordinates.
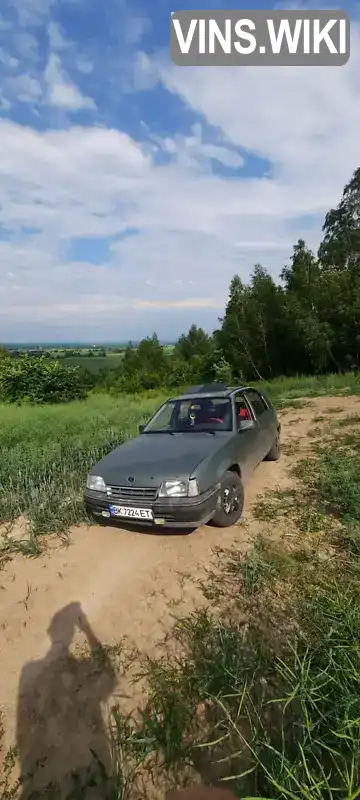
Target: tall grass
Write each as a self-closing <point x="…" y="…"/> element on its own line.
<point x="45" y="454"/>
<point x="283" y="390"/>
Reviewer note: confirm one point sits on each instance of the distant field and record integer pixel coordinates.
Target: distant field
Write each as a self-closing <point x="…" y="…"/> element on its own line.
<point x="94" y="363"/>
<point x="108" y="362"/>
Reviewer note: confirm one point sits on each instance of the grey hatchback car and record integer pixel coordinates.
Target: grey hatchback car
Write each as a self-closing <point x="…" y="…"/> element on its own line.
<point x="189" y="463"/>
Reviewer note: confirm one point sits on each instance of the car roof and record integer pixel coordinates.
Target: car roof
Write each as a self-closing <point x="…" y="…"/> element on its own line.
<point x="206" y="391"/>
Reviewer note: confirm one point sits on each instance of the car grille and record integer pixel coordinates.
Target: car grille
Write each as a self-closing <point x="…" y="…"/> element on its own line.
<point x="131" y="493"/>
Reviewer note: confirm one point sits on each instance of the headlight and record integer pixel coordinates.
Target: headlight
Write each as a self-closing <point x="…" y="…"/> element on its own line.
<point x="179" y="488"/>
<point x="96" y="483"/>
<point x="173" y="489"/>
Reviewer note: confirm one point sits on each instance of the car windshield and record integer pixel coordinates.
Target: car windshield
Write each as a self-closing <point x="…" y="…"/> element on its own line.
<point x="192" y="414"/>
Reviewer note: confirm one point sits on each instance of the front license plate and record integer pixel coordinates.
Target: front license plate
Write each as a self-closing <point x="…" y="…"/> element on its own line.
<point x="133" y="513"/>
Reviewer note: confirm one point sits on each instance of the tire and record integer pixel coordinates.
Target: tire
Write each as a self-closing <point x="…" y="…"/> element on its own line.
<point x="275" y="451"/>
<point x="224" y="518"/>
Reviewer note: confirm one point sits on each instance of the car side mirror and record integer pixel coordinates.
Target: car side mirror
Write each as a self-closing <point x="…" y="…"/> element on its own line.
<point x="141" y="428"/>
<point x="245" y="424"/>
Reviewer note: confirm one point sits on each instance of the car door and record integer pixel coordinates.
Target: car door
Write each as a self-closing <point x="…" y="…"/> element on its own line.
<point x="266" y="418"/>
<point x="249" y="440"/>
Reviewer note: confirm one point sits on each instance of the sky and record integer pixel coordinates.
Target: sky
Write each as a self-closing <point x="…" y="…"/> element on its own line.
<point x="132" y="189"/>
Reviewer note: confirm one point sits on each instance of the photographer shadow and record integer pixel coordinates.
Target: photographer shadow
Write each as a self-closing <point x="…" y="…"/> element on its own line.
<point x="62" y="740"/>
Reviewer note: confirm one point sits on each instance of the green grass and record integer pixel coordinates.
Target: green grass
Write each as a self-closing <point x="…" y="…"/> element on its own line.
<point x="45" y="454"/>
<point x="94" y="363"/>
<point x="285" y="390"/>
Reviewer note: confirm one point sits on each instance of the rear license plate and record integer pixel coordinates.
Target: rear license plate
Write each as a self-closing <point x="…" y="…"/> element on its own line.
<point x="133" y="513"/>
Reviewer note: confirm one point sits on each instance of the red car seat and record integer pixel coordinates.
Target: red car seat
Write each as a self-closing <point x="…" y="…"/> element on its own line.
<point x="244" y="414"/>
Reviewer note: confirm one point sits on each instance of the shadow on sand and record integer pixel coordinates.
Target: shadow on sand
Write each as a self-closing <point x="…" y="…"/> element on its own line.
<point x="62" y="741"/>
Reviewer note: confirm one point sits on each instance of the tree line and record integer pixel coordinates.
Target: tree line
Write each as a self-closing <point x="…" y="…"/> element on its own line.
<point x="307" y="323"/>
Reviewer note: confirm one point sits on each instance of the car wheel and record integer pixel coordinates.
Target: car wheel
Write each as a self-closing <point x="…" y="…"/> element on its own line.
<point x="275" y="451"/>
<point x="231" y="501"/>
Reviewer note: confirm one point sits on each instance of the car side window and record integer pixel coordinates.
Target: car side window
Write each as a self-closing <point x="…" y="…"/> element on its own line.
<point x="257" y="402"/>
<point x="241" y="409"/>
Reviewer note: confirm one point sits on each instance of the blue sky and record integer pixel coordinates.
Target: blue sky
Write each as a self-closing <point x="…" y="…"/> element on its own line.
<point x="132" y="190"/>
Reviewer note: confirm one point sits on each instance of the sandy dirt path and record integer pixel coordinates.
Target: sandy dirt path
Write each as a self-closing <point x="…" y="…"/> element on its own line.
<point x="124" y="579"/>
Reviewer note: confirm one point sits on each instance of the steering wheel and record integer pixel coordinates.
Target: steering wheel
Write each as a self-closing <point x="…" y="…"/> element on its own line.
<point x="215" y="419"/>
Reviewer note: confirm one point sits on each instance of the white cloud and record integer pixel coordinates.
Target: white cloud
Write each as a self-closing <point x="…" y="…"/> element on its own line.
<point x="57" y="38"/>
<point x="25" y="45"/>
<point x="145" y="72"/>
<point x="84" y="65"/>
<point x="31" y="13"/>
<point x="195" y="229"/>
<point x="189" y="302"/>
<point x="62" y="93"/>
<point x="21" y="55"/>
<point x="189" y="149"/>
<point x="7" y="60"/>
<point x="23" y="89"/>
<point x="305" y="120"/>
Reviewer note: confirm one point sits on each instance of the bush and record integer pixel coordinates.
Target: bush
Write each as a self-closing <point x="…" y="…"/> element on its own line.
<point x="38" y="381"/>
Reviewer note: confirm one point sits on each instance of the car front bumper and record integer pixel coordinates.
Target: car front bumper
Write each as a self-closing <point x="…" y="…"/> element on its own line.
<point x="169" y="512"/>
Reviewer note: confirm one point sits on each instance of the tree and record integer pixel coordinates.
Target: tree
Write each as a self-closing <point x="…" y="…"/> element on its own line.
<point x="195" y="343"/>
<point x="302" y="276"/>
<point x="310" y="335"/>
<point x="266" y="321"/>
<point x="144" y="367"/>
<point x="251" y="328"/>
<point x="340" y="248"/>
<point x="151" y="356"/>
<point x="232" y="337"/>
<point x="131" y="361"/>
<point x="223" y="372"/>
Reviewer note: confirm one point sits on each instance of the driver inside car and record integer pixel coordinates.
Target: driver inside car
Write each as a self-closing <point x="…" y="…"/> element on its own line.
<point x="207" y="413"/>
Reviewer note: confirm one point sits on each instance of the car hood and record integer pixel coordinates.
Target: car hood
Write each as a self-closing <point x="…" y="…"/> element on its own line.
<point x="154" y="457"/>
